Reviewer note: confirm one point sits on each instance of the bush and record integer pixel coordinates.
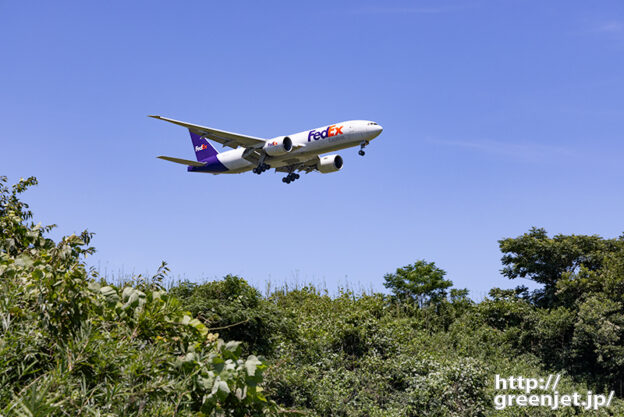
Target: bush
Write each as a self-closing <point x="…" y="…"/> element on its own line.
<point x="71" y="345"/>
<point x="236" y="310"/>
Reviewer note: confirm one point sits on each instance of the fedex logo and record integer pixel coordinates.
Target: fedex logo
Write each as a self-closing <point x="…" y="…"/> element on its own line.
<point x="200" y="148"/>
<point x="332" y="130"/>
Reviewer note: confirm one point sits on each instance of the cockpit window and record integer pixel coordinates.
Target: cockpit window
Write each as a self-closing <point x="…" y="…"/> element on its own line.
<point x="372" y="124"/>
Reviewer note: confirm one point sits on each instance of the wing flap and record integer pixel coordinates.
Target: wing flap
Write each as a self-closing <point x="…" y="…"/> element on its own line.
<point x="233" y="140"/>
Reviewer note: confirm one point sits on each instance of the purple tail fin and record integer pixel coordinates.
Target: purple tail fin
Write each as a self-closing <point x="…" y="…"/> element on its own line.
<point x="203" y="148"/>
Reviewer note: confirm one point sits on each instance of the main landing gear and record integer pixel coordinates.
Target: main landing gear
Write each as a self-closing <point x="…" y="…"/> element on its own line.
<point x="261" y="168"/>
<point x="362" y="146"/>
<point x="290" y="178"/>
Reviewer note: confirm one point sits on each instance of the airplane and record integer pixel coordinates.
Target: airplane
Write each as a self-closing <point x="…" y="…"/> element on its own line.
<point x="299" y="152"/>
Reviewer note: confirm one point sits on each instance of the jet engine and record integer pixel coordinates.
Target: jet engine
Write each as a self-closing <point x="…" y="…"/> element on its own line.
<point x="278" y="146"/>
<point x="329" y="163"/>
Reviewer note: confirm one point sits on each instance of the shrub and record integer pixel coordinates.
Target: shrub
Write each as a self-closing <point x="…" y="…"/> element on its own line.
<point x="73" y="346"/>
<point x="237" y="311"/>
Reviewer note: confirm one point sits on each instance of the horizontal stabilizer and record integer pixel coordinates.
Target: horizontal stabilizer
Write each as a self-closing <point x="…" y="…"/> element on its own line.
<point x="183" y="161"/>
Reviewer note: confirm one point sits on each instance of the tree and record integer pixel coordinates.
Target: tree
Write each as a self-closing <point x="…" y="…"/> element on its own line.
<point x="544" y="260"/>
<point x="421" y="282"/>
<point x="575" y="287"/>
<point x="598" y="342"/>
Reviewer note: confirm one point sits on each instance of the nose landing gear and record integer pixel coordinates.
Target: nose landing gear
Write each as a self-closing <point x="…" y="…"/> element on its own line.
<point x="290" y="178"/>
<point x="362" y="146"/>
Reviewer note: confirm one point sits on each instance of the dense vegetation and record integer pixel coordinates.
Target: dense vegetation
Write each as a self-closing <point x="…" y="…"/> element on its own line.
<point x="73" y="344"/>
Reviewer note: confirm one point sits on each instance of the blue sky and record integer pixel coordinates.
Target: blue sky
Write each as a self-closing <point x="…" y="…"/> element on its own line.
<point x="497" y="116"/>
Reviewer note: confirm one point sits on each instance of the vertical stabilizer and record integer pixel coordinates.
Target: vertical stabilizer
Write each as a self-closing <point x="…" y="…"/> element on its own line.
<point x="203" y="148"/>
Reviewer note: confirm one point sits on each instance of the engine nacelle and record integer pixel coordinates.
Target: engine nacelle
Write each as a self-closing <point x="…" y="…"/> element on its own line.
<point x="278" y="146"/>
<point x="329" y="163"/>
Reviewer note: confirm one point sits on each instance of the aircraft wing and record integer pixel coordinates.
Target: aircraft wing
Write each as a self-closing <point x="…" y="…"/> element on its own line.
<point x="307" y="166"/>
<point x="233" y="140"/>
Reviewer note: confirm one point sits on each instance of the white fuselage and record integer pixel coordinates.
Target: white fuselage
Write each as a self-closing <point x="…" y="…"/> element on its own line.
<point x="308" y="144"/>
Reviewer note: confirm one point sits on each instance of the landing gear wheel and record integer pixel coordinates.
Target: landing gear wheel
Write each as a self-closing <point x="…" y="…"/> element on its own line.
<point x="361" y="152"/>
<point x="290" y="178"/>
<point x="261" y="168"/>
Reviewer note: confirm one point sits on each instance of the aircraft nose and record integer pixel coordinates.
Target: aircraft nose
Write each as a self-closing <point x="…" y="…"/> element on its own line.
<point x="376" y="130"/>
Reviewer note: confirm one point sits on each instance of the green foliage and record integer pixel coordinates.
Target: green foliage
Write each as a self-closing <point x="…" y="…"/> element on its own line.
<point x="576" y="319"/>
<point x="599" y="339"/>
<point x="357" y="355"/>
<point x="70" y="345"/>
<point x="549" y="334"/>
<point x="73" y="344"/>
<point x="421" y="282"/>
<point x="536" y="256"/>
<point x="502" y="312"/>
<point x="236" y="311"/>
